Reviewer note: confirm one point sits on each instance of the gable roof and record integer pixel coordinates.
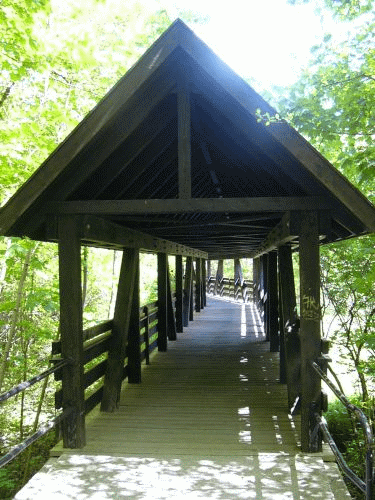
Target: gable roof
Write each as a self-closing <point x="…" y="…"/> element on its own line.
<point x="175" y="151"/>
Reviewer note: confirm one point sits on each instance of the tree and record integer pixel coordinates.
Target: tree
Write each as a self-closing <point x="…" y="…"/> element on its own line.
<point x="332" y="106"/>
<point x="342" y="9"/>
<point x="58" y="59"/>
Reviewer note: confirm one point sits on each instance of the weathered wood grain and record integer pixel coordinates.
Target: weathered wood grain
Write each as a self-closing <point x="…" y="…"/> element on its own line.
<point x="71" y="331"/>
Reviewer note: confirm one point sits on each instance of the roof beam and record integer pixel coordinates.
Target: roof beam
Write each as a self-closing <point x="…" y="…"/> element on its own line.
<point x="292" y="141"/>
<point x="284" y="232"/>
<point x="184" y="140"/>
<point x="95" y="231"/>
<point x="154" y="206"/>
<point x="288" y="230"/>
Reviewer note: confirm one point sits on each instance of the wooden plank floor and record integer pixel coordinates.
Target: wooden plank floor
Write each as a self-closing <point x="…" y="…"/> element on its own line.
<point x="209" y="420"/>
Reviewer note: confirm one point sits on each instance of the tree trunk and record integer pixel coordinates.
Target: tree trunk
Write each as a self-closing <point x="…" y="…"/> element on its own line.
<point x="15" y="315"/>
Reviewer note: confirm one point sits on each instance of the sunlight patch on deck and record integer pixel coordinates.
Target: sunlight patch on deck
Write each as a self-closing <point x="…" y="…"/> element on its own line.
<point x="266" y="476"/>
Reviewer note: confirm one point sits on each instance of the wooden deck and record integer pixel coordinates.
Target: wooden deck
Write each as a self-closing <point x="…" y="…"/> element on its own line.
<point x="209" y="420"/>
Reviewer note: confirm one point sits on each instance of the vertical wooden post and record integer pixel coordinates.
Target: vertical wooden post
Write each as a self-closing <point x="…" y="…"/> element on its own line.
<point x="184" y="140"/>
<point x="198" y="284"/>
<point x="310" y="326"/>
<point x="238" y="279"/>
<point x="73" y="427"/>
<point x="147" y="335"/>
<point x="204" y="284"/>
<point x="121" y="323"/>
<point x="179" y="294"/>
<point x="192" y="290"/>
<point x="282" y="372"/>
<point x="256" y="280"/>
<point x="187" y="290"/>
<point x="219" y="275"/>
<point x="208" y="275"/>
<point x="273" y="302"/>
<point x="264" y="260"/>
<point x="162" y="301"/>
<point x="134" y="346"/>
<point x="171" y="321"/>
<point x="291" y="335"/>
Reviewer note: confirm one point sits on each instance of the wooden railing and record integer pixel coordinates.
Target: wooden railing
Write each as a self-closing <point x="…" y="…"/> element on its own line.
<point x="231" y="288"/>
<point x="96" y="344"/>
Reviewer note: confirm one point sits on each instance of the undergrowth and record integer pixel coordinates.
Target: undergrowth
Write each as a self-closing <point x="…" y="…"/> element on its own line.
<point x="349" y="437"/>
<point x="16" y="474"/>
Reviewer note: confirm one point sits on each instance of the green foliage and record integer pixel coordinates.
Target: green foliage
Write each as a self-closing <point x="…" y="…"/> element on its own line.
<point x="333" y="101"/>
<point x="14" y="475"/>
<point x="58" y="60"/>
<point x="20" y="47"/>
<point x="348" y="274"/>
<point x="348" y="435"/>
<point x="332" y="106"/>
<point x="342" y="9"/>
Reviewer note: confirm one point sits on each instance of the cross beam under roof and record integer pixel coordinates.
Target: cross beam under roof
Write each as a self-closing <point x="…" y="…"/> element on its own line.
<point x="287" y="231"/>
<point x="95" y="231"/>
<point x="154" y="206"/>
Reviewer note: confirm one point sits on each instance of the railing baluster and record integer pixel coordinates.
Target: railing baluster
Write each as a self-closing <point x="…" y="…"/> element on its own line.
<point x="146" y="334"/>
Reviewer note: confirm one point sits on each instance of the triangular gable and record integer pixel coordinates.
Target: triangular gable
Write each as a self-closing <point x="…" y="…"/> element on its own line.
<point x="237" y="165"/>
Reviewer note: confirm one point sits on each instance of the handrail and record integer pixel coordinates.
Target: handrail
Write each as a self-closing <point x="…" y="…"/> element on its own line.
<point x="14" y="452"/>
<point x="340" y="459"/>
<point x="92" y="337"/>
<point x="367" y="485"/>
<point x="230" y="287"/>
<point x="28" y="383"/>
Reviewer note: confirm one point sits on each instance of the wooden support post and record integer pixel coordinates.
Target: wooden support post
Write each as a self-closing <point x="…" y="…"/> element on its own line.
<point x="264" y="260"/>
<point x="179" y="294"/>
<point x="171" y="320"/>
<point x="288" y="326"/>
<point x="134" y="346"/>
<point x="187" y="290"/>
<point x="184" y="140"/>
<point x="198" y="285"/>
<point x="147" y="334"/>
<point x="256" y="281"/>
<point x="219" y="276"/>
<point x="73" y="427"/>
<point x="121" y="322"/>
<point x="310" y="327"/>
<point x="162" y="301"/>
<point x="192" y="294"/>
<point x="208" y="288"/>
<point x="273" y="302"/>
<point x="238" y="279"/>
<point x="204" y="282"/>
<point x="282" y="372"/>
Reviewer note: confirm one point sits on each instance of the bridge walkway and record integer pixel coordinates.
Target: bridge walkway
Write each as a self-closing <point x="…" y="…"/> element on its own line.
<point x="209" y="421"/>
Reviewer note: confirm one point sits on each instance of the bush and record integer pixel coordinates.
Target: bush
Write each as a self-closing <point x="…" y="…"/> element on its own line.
<point x="349" y="437"/>
<point x="16" y="474"/>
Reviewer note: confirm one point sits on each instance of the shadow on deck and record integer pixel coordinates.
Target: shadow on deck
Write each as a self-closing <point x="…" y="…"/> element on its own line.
<point x="209" y="420"/>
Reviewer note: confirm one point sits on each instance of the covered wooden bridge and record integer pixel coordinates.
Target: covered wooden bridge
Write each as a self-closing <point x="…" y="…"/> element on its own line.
<point x="174" y="161"/>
